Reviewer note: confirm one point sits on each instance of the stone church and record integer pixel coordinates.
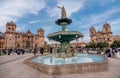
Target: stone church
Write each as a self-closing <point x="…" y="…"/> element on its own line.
<point x="12" y="39"/>
<point x="105" y="35"/>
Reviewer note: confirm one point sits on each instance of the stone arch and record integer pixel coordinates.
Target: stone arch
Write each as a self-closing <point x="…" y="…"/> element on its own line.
<point x="18" y="45"/>
<point x="28" y="44"/>
<point x="12" y="29"/>
<point x="9" y="29"/>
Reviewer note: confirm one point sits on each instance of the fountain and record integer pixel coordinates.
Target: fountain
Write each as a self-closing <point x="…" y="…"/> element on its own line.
<point x="67" y="61"/>
<point x="63" y="36"/>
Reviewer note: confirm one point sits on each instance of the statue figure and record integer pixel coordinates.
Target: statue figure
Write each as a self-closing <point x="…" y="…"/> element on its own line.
<point x="63" y="12"/>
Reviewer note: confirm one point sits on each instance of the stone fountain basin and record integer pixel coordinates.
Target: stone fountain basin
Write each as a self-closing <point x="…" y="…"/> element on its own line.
<point x="68" y="68"/>
<point x="65" y="35"/>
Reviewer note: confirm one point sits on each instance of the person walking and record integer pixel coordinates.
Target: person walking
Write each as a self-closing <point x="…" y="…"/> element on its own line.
<point x="51" y="50"/>
<point x="34" y="52"/>
<point x="41" y="51"/>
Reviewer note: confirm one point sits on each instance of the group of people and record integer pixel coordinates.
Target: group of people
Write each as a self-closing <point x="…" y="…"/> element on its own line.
<point x="22" y="51"/>
<point x="113" y="53"/>
<point x="41" y="50"/>
<point x="14" y="51"/>
<point x="110" y="52"/>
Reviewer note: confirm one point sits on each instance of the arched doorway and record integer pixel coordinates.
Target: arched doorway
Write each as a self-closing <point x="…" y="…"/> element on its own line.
<point x="18" y="45"/>
<point x="28" y="44"/>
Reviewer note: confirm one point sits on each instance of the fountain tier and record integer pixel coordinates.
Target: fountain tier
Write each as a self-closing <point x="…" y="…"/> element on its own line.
<point x="65" y="36"/>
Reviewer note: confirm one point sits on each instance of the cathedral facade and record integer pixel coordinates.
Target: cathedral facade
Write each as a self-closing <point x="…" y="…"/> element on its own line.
<point x="28" y="40"/>
<point x="105" y="35"/>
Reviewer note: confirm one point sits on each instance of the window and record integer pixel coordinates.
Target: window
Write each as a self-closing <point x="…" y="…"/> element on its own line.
<point x="92" y="32"/>
<point x="9" y="29"/>
<point x="12" y="29"/>
<point x="28" y="37"/>
<point x="106" y="29"/>
<point x="18" y="36"/>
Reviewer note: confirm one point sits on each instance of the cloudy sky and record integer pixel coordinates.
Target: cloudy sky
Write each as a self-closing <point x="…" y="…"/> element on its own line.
<point x="34" y="14"/>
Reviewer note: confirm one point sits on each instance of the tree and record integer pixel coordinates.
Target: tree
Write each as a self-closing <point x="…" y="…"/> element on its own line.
<point x="91" y="45"/>
<point x="102" y="44"/>
<point x="115" y="44"/>
<point x="27" y="44"/>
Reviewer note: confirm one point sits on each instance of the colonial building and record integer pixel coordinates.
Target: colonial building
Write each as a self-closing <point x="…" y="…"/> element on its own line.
<point x="13" y="39"/>
<point x="2" y="40"/>
<point x="105" y="35"/>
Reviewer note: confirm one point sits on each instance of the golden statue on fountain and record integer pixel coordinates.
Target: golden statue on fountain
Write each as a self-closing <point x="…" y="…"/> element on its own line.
<point x="63" y="12"/>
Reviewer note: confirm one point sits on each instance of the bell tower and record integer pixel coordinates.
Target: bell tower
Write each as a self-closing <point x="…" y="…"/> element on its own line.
<point x="106" y="28"/>
<point x="10" y="35"/>
<point x="92" y="31"/>
<point x="107" y="33"/>
<point x="40" y="34"/>
<point x="93" y="34"/>
<point x="10" y="27"/>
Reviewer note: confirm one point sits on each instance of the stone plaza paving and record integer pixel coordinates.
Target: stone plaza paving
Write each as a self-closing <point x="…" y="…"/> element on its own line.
<point x="13" y="67"/>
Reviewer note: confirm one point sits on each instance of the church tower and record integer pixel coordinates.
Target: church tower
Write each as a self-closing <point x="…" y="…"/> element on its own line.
<point x="93" y="34"/>
<point x="40" y="34"/>
<point x="10" y="35"/>
<point x="107" y="33"/>
<point x="10" y="27"/>
<point x="106" y="28"/>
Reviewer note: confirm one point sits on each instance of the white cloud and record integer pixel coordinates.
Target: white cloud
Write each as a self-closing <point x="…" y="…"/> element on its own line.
<point x="115" y="26"/>
<point x="116" y="21"/>
<point x="21" y="28"/>
<point x="105" y="2"/>
<point x="34" y="21"/>
<point x="96" y="19"/>
<point x="14" y="9"/>
<point x="71" y="7"/>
